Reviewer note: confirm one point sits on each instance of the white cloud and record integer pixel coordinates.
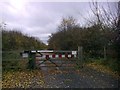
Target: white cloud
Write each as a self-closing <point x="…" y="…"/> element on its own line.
<point x="40" y="19"/>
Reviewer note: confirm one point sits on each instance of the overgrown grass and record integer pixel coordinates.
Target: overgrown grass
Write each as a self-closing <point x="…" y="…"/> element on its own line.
<point x="111" y="63"/>
<point x="13" y="61"/>
<point x="8" y="55"/>
<point x="14" y="65"/>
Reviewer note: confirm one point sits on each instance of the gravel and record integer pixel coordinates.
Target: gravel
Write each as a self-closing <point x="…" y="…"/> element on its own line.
<point x="83" y="78"/>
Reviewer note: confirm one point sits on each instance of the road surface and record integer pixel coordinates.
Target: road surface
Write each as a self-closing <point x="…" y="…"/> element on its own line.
<point x="72" y="78"/>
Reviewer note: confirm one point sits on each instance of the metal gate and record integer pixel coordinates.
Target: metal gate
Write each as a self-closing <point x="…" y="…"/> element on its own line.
<point x="31" y="59"/>
<point x="50" y="58"/>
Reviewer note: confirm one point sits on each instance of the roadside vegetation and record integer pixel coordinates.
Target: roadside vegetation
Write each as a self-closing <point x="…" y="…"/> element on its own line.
<point x="100" y="40"/>
<point x="15" y="40"/>
<point x="14" y="68"/>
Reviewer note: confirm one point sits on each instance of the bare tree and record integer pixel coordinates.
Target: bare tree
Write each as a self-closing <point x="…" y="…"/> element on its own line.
<point x="108" y="17"/>
<point x="67" y="24"/>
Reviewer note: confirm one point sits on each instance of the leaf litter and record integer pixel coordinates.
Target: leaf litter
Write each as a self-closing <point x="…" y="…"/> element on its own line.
<point x="22" y="79"/>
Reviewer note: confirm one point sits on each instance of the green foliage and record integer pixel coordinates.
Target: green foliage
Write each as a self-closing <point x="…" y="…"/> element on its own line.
<point x="67" y="36"/>
<point x="93" y="39"/>
<point x="14" y="40"/>
<point x="113" y="64"/>
<point x="70" y="36"/>
<point x="11" y="60"/>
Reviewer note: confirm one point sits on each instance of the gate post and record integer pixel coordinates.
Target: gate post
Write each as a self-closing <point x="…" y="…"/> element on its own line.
<point x="80" y="56"/>
<point x="31" y="62"/>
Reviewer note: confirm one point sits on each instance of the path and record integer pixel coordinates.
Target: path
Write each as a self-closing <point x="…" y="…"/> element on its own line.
<point x="71" y="78"/>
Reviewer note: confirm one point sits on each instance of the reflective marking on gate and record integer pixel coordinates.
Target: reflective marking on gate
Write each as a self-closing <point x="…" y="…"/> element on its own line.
<point x="56" y="56"/>
<point x="42" y="54"/>
<point x="63" y="56"/>
<point x="33" y="51"/>
<point x="50" y="56"/>
<point x="69" y="55"/>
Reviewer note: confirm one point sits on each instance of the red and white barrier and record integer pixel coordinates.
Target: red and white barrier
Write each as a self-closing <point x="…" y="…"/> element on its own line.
<point x="56" y="56"/>
<point x="47" y="54"/>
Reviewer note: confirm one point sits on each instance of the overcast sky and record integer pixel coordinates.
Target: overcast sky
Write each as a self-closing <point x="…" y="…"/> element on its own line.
<point x="40" y="19"/>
